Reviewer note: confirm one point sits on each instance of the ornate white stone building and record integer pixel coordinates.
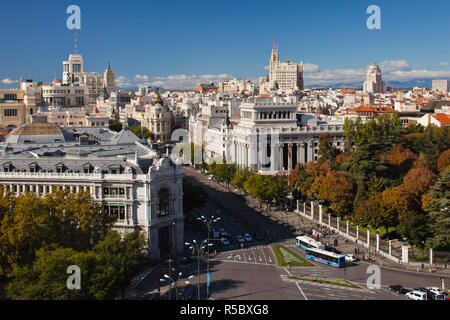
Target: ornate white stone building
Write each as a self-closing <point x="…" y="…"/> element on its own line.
<point x="124" y="176"/>
<point x="271" y="136"/>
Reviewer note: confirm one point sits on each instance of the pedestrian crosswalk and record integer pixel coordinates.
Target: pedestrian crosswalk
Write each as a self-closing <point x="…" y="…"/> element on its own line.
<point x="256" y="255"/>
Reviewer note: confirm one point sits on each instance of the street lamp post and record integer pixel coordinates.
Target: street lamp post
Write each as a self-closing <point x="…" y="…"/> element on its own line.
<point x="174" y="281"/>
<point x="199" y="250"/>
<point x="208" y="223"/>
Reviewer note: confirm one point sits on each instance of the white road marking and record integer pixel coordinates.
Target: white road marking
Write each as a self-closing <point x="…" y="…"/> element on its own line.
<point x="298" y="286"/>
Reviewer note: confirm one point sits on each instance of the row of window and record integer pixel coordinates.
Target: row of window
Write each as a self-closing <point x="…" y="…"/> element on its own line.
<point x="10" y="112"/>
<point x="117" y="211"/>
<point x="113" y="192"/>
<point x="42" y="189"/>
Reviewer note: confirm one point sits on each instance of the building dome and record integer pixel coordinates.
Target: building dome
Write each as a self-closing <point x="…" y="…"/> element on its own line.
<point x="37" y="133"/>
<point x="156" y="99"/>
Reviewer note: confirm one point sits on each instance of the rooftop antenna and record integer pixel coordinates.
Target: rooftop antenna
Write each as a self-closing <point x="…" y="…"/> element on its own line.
<point x="75" y="35"/>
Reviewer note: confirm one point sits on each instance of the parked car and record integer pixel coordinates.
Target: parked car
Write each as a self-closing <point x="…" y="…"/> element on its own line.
<point x="210" y="177"/>
<point x="435" y="290"/>
<point x="398" y="289"/>
<point x="417" y="295"/>
<point x="442" y="296"/>
<point x="350" y="258"/>
<point x="240" y="239"/>
<point x="247" y="237"/>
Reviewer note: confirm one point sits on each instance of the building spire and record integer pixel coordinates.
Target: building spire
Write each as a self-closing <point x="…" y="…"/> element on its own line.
<point x="76" y="45"/>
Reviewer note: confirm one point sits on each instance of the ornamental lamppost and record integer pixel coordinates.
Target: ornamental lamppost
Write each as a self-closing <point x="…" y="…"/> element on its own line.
<point x="208" y="222"/>
<point x="199" y="250"/>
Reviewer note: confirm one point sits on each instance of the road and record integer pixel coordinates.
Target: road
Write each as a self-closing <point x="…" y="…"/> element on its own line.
<point x="251" y="272"/>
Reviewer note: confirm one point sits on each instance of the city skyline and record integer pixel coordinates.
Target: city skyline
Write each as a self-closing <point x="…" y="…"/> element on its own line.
<point x="196" y="44"/>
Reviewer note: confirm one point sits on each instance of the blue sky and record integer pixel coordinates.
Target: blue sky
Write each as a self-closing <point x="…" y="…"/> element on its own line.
<point x="179" y="43"/>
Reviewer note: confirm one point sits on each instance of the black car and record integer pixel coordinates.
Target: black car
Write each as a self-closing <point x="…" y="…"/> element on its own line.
<point x="398" y="289"/>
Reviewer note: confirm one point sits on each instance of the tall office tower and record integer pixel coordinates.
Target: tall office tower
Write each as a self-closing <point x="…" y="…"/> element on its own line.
<point x="108" y="80"/>
<point x="287" y="74"/>
<point x="374" y="83"/>
<point x="73" y="69"/>
<point x="442" y="86"/>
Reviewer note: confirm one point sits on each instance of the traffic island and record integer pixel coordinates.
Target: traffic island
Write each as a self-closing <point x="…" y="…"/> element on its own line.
<point x="287" y="258"/>
<point x="326" y="281"/>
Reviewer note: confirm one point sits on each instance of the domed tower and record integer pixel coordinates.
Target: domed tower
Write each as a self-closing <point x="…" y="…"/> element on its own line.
<point x="158" y="118"/>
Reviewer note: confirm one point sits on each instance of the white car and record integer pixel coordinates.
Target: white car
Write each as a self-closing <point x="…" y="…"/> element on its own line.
<point x="247" y="237"/>
<point x="417" y="295"/>
<point x="350" y="258"/>
<point x="435" y="290"/>
<point x="210" y="177"/>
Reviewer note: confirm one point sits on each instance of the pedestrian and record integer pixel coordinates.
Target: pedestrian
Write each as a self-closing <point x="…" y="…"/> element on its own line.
<point x="355" y="251"/>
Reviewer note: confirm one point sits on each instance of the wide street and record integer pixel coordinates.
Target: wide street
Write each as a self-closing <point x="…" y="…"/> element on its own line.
<point x="251" y="272"/>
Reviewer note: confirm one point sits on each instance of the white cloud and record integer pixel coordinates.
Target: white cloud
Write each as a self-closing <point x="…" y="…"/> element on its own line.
<point x="400" y="75"/>
<point x="140" y="78"/>
<point x="175" y="81"/>
<point x="443" y="64"/>
<point x="393" y="70"/>
<point x="391" y="65"/>
<point x="9" y="81"/>
<point x="309" y="67"/>
<point x="124" y="82"/>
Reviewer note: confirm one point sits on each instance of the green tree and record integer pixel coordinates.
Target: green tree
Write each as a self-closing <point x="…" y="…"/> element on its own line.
<point x="142" y="132"/>
<point x="105" y="269"/>
<point x="115" y="125"/>
<point x="440" y="212"/>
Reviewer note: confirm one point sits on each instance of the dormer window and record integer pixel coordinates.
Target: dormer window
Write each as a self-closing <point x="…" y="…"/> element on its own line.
<point x="87" y="168"/>
<point x="7" y="167"/>
<point x="60" y="168"/>
<point x="114" y="170"/>
<point x="33" y="167"/>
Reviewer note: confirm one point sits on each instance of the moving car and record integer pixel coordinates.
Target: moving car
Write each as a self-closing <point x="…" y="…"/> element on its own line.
<point x="398" y="289"/>
<point x="240" y="239"/>
<point x="350" y="257"/>
<point x="417" y="295"/>
<point x="247" y="237"/>
<point x="223" y="233"/>
<point x="225" y="242"/>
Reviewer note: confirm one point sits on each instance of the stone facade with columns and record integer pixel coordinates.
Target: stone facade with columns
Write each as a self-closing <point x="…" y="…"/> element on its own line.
<point x="271" y="136"/>
<point x="129" y="180"/>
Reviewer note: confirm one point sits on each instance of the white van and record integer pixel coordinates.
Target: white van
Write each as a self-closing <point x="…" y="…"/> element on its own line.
<point x="417" y="295"/>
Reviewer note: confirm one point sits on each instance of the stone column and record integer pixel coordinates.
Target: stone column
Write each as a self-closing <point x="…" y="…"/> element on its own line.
<point x="246" y="151"/>
<point x="390" y="247"/>
<point x="357" y="232"/>
<point x="281" y="157"/>
<point x="299" y="153"/>
<point x="431" y="257"/>
<point x="312" y="209"/>
<point x="298" y="205"/>
<point x="347" y="227"/>
<point x="378" y="242"/>
<point x="405" y="254"/>
<point x="368" y="237"/>
<point x="310" y="151"/>
<point x="304" y="208"/>
<point x="290" y="156"/>
<point x="320" y="214"/>
<point x="329" y="220"/>
<point x="273" y="162"/>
